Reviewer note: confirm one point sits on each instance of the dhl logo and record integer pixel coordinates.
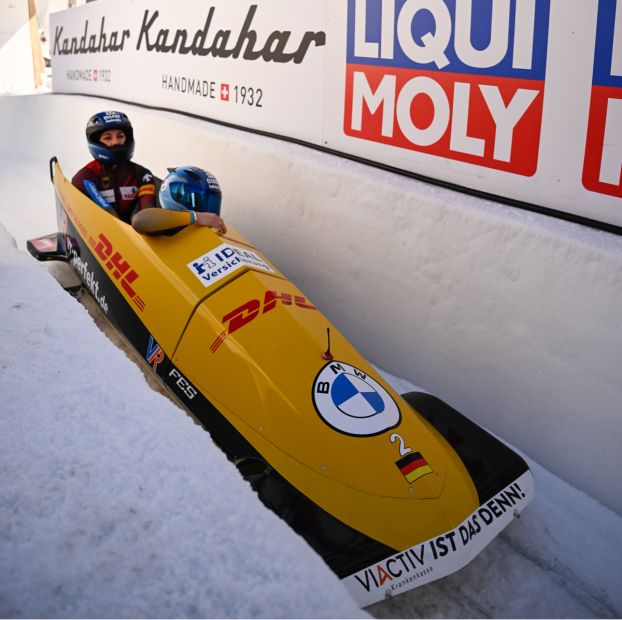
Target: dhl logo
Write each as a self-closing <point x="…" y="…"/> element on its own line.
<point x="250" y="310"/>
<point x="118" y="268"/>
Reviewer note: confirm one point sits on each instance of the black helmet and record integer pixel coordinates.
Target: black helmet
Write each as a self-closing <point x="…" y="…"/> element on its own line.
<point x="103" y="121"/>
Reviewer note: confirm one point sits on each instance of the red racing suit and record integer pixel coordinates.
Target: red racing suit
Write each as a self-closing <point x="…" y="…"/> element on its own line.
<point x="127" y="186"/>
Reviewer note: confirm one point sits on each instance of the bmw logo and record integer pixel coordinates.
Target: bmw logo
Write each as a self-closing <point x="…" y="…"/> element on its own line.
<point x="351" y="402"/>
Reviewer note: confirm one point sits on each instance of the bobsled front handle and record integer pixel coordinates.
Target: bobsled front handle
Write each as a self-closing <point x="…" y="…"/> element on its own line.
<point x="53" y="160"/>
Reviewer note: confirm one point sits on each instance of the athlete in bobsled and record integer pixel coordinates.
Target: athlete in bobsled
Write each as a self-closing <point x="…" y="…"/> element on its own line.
<point x="188" y="195"/>
<point x="125" y="189"/>
<point x="112" y="180"/>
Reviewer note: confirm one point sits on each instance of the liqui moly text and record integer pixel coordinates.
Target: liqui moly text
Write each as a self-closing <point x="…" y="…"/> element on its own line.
<point x="460" y="79"/>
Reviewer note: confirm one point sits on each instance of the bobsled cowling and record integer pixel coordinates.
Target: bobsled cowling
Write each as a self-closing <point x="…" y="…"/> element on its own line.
<point x="393" y="492"/>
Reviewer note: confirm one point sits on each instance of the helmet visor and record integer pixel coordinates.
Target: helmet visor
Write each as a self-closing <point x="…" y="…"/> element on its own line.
<point x="195" y="200"/>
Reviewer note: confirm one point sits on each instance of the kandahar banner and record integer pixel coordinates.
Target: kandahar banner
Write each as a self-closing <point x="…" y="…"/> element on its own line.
<point x="253" y="64"/>
<point x="519" y="99"/>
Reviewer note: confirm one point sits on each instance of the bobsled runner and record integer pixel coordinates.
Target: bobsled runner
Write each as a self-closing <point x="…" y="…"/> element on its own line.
<point x="393" y="491"/>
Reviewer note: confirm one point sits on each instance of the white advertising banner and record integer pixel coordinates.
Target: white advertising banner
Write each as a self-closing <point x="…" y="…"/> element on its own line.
<point x="253" y="64"/>
<point x="521" y="99"/>
<point x="517" y="98"/>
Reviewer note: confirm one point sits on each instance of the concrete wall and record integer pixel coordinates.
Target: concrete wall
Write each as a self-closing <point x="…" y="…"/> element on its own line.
<point x="512" y="317"/>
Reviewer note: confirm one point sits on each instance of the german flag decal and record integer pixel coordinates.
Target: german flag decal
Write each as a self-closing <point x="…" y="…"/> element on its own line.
<point x="413" y="466"/>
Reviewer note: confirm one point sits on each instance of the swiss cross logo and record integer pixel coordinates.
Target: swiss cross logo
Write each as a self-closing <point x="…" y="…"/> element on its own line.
<point x="224" y="92"/>
<point x="118" y="268"/>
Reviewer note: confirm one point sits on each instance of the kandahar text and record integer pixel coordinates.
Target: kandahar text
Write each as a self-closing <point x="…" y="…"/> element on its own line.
<point x="88" y="43"/>
<point x="224" y="44"/>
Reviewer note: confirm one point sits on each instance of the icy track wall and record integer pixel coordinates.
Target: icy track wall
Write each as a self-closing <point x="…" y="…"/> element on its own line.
<point x="510" y="316"/>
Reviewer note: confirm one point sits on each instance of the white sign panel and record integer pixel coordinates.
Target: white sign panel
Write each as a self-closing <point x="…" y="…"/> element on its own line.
<point x="254" y="64"/>
<point x="516" y="98"/>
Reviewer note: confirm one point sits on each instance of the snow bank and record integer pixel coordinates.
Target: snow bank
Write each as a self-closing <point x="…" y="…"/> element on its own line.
<point x="510" y="316"/>
<point x="114" y="503"/>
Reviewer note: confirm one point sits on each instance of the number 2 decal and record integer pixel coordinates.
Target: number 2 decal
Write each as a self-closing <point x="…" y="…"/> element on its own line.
<point x="403" y="448"/>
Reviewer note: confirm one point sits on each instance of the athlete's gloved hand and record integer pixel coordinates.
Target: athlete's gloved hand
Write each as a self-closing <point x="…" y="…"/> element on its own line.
<point x="212" y="220"/>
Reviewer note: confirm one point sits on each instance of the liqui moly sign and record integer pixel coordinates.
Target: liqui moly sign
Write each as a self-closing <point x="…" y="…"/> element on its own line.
<point x="461" y="79"/>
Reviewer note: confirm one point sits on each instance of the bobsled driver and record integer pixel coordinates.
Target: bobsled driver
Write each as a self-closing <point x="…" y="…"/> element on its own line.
<point x="125" y="189"/>
<point x="111" y="180"/>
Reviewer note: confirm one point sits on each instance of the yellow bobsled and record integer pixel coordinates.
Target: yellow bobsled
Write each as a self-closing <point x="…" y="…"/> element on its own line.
<point x="392" y="491"/>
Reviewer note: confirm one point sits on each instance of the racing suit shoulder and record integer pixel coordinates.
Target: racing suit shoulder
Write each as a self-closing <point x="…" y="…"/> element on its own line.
<point x="90" y="172"/>
<point x="146" y="185"/>
<point x="141" y="174"/>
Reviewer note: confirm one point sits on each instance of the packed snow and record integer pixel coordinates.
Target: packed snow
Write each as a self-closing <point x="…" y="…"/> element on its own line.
<point x="113" y="503"/>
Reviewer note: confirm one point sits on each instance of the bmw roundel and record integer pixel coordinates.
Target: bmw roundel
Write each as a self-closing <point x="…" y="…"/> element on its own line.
<point x="351" y="402"/>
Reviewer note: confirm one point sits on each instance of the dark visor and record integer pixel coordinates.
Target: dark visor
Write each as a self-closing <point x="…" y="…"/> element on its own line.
<point x="181" y="193"/>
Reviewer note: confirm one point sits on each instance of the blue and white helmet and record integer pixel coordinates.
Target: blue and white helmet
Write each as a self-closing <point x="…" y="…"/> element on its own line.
<point x="190" y="188"/>
<point x="103" y="121"/>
